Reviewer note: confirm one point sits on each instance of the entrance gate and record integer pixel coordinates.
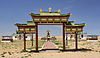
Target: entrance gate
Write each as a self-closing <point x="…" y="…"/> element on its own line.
<point x="49" y="24"/>
<point x="50" y="18"/>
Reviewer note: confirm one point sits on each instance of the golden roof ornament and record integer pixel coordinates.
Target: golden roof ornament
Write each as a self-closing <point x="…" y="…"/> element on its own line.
<point x="59" y="10"/>
<point x="85" y="24"/>
<point x="40" y="10"/>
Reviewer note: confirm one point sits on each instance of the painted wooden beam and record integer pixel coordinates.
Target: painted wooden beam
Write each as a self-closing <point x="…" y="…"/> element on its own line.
<point x="63" y="36"/>
<point x="24" y="41"/>
<point x="50" y="23"/>
<point x="36" y="36"/>
<point x="66" y="40"/>
<point x="32" y="39"/>
<point x="76" y="40"/>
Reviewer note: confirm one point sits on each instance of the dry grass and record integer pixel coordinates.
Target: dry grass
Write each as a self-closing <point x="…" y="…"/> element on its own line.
<point x="17" y="46"/>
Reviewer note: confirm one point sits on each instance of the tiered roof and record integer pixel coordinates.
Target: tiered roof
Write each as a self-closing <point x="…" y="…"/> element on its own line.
<point x="71" y="23"/>
<point x="51" y="17"/>
<point x="29" y="23"/>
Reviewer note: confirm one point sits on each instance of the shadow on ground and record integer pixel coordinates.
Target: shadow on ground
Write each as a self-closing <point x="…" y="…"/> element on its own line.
<point x="74" y="50"/>
<point x="67" y="50"/>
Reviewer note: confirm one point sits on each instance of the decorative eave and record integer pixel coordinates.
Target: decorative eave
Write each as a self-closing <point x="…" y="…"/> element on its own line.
<point x="23" y="25"/>
<point x="76" y="25"/>
<point x="50" y="18"/>
<point x="29" y="23"/>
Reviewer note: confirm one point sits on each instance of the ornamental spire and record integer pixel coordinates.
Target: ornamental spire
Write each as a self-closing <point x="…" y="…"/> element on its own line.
<point x="40" y="10"/>
<point x="50" y="9"/>
<point x="59" y="10"/>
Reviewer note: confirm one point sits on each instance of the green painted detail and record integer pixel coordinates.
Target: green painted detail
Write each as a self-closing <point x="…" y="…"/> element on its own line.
<point x="49" y="14"/>
<point x="75" y="25"/>
<point x="71" y="22"/>
<point x="23" y="25"/>
<point x="30" y="23"/>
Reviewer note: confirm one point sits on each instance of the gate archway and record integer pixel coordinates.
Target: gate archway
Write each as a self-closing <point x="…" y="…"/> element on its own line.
<point x="50" y="18"/>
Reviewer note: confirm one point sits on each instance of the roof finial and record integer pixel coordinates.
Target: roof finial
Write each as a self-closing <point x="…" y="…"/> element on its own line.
<point x="40" y="10"/>
<point x="50" y="9"/>
<point x="59" y="10"/>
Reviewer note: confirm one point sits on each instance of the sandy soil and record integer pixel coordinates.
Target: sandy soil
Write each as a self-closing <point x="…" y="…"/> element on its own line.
<point x="13" y="50"/>
<point x="53" y="55"/>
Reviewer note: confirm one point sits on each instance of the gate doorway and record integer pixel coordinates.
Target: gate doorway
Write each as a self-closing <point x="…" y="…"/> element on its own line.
<point x="51" y="34"/>
<point x="37" y="24"/>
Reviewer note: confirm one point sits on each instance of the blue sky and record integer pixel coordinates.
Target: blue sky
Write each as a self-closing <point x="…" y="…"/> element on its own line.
<point x="16" y="11"/>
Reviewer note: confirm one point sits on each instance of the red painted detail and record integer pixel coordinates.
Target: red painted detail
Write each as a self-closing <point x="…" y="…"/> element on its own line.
<point x="7" y="39"/>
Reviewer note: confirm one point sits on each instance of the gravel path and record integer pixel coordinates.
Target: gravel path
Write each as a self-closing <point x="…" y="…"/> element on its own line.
<point x="49" y="45"/>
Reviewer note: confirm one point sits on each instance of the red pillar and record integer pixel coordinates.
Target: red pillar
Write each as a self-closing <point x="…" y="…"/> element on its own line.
<point x="36" y="36"/>
<point x="66" y="40"/>
<point x="24" y="41"/>
<point x="76" y="43"/>
<point x="32" y="39"/>
<point x="63" y="36"/>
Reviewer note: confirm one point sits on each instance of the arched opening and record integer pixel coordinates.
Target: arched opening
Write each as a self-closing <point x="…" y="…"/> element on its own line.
<point x="55" y="36"/>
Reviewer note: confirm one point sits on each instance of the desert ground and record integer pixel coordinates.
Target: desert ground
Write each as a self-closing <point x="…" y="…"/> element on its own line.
<point x="15" y="50"/>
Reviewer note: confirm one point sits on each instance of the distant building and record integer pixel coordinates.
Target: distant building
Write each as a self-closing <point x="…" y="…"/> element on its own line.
<point x="28" y="36"/>
<point x="15" y="37"/>
<point x="82" y="36"/>
<point x="7" y="39"/>
<point x="20" y="36"/>
<point x="92" y="37"/>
